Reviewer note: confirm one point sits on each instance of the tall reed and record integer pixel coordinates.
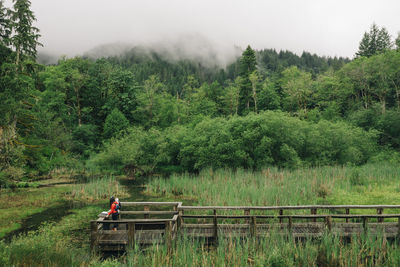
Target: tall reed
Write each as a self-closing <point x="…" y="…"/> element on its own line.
<point x="98" y="188"/>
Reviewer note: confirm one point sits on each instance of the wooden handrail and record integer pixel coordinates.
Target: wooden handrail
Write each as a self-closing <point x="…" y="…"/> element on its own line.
<point x="151" y="204"/>
<point x="135" y="221"/>
<point x="289" y="207"/>
<point x="148" y="212"/>
<point x="342" y="216"/>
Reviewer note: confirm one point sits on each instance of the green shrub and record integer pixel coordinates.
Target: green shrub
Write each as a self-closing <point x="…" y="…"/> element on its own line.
<point x="4" y="181"/>
<point x="270" y="138"/>
<point x="114" y="124"/>
<point x="85" y="138"/>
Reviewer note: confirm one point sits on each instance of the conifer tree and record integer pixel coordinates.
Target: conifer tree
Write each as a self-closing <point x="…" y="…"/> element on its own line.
<point x="374" y="42"/>
<point x="397" y="42"/>
<point x="247" y="66"/>
<point x="5" y="25"/>
<point x="25" y="38"/>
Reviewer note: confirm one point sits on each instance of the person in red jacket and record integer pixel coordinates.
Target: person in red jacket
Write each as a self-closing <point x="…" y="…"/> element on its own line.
<point x="114" y="211"/>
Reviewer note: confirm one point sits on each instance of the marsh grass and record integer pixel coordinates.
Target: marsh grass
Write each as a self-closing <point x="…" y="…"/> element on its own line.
<point x="98" y="188"/>
<point x="275" y="250"/>
<point x="369" y="184"/>
<point x="61" y="244"/>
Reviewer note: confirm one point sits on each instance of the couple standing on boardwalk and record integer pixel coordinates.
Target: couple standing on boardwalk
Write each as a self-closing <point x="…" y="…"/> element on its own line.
<point x="115" y="206"/>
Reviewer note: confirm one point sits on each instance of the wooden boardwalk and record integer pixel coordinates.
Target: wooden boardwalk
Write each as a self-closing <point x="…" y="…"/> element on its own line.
<point x="155" y="222"/>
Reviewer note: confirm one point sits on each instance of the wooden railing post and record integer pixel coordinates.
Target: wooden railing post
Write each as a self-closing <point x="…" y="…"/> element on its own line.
<point x="146" y="208"/>
<point x="215" y="225"/>
<point x="131" y="235"/>
<point x="247" y="213"/>
<point x="328" y="221"/>
<point x="280" y="214"/>
<point x="380" y="211"/>
<point x="314" y="212"/>
<point x="398" y="227"/>
<point x="290" y="224"/>
<point x="168" y="235"/>
<point x="93" y="236"/>
<point x="253" y="227"/>
<point x="365" y="224"/>
<point x="347" y="213"/>
<point x="180" y="219"/>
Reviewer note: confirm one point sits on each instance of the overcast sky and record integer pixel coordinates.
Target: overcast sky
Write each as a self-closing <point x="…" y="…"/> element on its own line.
<point x="325" y="27"/>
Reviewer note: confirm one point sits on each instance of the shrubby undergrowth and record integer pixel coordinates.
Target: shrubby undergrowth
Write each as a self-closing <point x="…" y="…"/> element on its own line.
<point x="271" y="138"/>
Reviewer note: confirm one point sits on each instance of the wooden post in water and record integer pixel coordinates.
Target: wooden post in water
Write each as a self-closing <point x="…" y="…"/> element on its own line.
<point x="131" y="235"/>
<point x="146" y="208"/>
<point x="93" y="236"/>
<point x="380" y="211"/>
<point x="215" y="225"/>
<point x="253" y="227"/>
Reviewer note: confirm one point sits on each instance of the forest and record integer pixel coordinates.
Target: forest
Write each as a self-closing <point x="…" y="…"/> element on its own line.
<point x="266" y="108"/>
<point x="143" y="114"/>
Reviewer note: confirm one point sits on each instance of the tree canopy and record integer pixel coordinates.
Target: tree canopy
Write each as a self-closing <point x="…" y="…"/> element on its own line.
<point x="145" y="112"/>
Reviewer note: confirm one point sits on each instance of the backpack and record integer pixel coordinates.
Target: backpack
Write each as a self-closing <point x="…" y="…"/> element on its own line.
<point x="118" y="207"/>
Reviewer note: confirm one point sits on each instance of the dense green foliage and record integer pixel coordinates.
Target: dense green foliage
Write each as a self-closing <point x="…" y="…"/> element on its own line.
<point x="145" y="112"/>
<point x="257" y="140"/>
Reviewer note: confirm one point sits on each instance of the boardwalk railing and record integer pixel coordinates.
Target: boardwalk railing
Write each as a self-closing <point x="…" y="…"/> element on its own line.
<point x="143" y="230"/>
<point x="163" y="221"/>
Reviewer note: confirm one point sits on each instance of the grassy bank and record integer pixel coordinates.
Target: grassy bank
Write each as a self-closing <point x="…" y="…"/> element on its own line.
<point x="369" y="184"/>
<point x="62" y="244"/>
<point x="18" y="204"/>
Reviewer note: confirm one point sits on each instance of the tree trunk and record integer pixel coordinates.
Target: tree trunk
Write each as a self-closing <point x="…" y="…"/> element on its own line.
<point x="177" y="102"/>
<point x="383" y="102"/>
<point x="255" y="99"/>
<point x="78" y="103"/>
<point x="17" y="57"/>
<point x="398" y="99"/>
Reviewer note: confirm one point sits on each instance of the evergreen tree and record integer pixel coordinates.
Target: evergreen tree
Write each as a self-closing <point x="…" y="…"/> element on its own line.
<point x="247" y="66"/>
<point x="374" y="42"/>
<point x="5" y="24"/>
<point x="25" y="38"/>
<point x="397" y="42"/>
<point x="115" y="123"/>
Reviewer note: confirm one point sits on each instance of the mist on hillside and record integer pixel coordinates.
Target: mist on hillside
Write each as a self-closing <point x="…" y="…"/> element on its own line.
<point x="193" y="47"/>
